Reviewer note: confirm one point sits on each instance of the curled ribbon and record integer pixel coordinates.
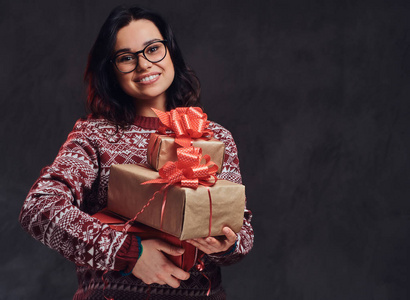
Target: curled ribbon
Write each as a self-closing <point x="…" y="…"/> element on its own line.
<point x="187" y="123"/>
<point x="186" y="171"/>
<point x="200" y="266"/>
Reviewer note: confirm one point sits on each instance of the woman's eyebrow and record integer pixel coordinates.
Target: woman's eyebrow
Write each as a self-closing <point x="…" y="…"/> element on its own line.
<point x="151" y="41"/>
<point x="122" y="50"/>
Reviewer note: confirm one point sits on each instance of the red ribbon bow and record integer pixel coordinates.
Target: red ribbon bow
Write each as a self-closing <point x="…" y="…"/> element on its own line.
<point x="188" y="170"/>
<point x="186" y="122"/>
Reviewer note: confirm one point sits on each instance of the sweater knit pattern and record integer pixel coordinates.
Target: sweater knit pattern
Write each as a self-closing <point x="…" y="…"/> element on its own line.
<point x="58" y="207"/>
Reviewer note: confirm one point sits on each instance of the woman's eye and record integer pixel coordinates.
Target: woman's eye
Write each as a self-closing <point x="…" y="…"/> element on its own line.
<point x="126" y="59"/>
<point x="152" y="49"/>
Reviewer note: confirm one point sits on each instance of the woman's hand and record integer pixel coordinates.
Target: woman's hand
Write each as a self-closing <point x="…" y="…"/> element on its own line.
<point x="154" y="267"/>
<point x="212" y="245"/>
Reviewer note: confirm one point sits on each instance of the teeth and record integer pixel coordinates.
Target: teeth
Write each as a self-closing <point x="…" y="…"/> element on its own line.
<point x="149" y="78"/>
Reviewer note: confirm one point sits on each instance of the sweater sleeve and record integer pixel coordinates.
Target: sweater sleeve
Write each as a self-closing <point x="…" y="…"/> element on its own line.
<point x="232" y="173"/>
<point x="52" y="211"/>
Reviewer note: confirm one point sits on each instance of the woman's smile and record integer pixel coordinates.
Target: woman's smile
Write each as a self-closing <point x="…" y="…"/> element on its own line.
<point x="148" y="78"/>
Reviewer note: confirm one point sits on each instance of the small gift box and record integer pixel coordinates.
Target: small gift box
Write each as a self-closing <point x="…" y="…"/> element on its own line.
<point x="162" y="148"/>
<point x="180" y="211"/>
<point x="185" y="261"/>
<point x="183" y="127"/>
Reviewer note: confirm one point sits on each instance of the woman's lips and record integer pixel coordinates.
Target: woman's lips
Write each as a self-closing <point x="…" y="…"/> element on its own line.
<point x="148" y="78"/>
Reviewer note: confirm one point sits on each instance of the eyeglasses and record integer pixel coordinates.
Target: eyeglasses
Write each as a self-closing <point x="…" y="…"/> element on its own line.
<point x="154" y="52"/>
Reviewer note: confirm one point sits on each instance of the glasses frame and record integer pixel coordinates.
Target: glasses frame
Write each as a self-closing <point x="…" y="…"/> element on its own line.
<point x="136" y="54"/>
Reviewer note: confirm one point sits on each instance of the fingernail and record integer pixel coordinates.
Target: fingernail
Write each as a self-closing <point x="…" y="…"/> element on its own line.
<point x="181" y="250"/>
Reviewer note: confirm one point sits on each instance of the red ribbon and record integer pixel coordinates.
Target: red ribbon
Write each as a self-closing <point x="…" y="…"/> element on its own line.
<point x="200" y="266"/>
<point x="186" y="122"/>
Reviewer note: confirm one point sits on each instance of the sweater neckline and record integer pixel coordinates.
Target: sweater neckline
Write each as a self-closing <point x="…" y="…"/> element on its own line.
<point x="147" y="122"/>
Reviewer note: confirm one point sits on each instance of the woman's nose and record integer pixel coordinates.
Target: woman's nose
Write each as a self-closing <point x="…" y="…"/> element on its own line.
<point x="143" y="63"/>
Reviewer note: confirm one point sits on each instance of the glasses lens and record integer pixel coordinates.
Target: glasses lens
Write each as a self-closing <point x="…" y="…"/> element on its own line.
<point x="126" y="62"/>
<point x="155" y="52"/>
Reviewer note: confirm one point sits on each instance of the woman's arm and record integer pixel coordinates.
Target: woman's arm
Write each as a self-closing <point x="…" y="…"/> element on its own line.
<point x="52" y="210"/>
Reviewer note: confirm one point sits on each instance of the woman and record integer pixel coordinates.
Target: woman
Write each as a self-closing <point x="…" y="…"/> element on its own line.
<point x="135" y="64"/>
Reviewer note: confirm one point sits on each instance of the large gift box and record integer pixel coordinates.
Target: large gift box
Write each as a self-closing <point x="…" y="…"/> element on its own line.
<point x="187" y="213"/>
<point x="162" y="148"/>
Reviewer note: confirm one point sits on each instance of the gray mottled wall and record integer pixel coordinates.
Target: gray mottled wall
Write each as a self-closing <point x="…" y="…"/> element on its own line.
<point x="316" y="94"/>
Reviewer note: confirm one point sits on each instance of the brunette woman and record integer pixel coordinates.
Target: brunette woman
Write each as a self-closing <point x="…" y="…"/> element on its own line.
<point x="135" y="64"/>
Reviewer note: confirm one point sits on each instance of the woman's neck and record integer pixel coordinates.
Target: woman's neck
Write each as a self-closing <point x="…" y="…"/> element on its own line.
<point x="143" y="107"/>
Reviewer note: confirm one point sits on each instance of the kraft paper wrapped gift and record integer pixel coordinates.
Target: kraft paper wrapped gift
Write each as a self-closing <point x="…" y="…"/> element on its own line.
<point x="187" y="210"/>
<point x="162" y="148"/>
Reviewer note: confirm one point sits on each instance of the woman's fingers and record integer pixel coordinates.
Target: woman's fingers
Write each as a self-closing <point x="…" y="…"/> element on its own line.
<point x="168" y="248"/>
<point x="165" y="278"/>
<point x="154" y="267"/>
<point x="202" y="245"/>
<point x="211" y="245"/>
<point x="230" y="235"/>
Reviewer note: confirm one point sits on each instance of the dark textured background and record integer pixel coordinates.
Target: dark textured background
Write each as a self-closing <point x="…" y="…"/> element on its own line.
<point x="316" y="94"/>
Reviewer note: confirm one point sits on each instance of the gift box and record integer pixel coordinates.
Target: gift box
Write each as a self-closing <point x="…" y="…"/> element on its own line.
<point x="185" y="261"/>
<point x="187" y="212"/>
<point x="162" y="148"/>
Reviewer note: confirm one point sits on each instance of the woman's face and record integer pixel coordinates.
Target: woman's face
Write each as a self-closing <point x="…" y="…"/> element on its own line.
<point x="148" y="83"/>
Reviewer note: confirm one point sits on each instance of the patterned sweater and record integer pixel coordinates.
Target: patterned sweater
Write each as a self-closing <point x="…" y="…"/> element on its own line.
<point x="58" y="207"/>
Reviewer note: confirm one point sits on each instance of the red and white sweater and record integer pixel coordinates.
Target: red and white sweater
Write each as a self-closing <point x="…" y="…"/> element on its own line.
<point x="58" y="208"/>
